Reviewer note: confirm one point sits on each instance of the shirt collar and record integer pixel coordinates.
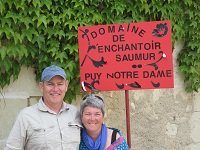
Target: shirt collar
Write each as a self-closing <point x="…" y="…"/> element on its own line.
<point x="43" y="107"/>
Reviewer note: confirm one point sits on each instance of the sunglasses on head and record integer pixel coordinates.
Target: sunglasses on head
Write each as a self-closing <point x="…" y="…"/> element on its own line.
<point x="98" y="97"/>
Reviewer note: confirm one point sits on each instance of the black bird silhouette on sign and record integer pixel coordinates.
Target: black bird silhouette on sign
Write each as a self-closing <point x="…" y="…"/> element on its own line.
<point x="133" y="85"/>
<point x="98" y="63"/>
<point x="91" y="47"/>
<point x="161" y="30"/>
<point x="91" y="85"/>
<point x="154" y="63"/>
<point x="156" y="85"/>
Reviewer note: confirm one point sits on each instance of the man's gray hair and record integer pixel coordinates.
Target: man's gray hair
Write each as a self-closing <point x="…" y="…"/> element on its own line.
<point x="94" y="101"/>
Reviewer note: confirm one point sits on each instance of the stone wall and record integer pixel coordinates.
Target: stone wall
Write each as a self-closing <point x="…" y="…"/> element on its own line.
<point x="161" y="119"/>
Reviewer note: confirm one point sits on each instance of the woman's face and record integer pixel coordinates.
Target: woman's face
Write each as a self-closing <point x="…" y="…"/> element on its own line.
<point x="92" y="119"/>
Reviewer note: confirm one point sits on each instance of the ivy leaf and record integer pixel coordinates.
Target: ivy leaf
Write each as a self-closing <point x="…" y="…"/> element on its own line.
<point x="193" y="70"/>
<point x="71" y="35"/>
<point x="3" y="52"/>
<point x="53" y="47"/>
<point x="19" y="5"/>
<point x="36" y="3"/>
<point x="17" y="38"/>
<point x="5" y="21"/>
<point x="2" y="7"/>
<point x="12" y="15"/>
<point x="71" y="48"/>
<point x="23" y="50"/>
<point x="53" y="43"/>
<point x="34" y="11"/>
<point x="188" y="2"/>
<point x="29" y="34"/>
<point x="53" y="51"/>
<point x="69" y="12"/>
<point x="97" y="17"/>
<point x="32" y="50"/>
<point x="28" y="1"/>
<point x="86" y="1"/>
<point x="16" y="68"/>
<point x="48" y="3"/>
<point x="72" y="24"/>
<point x="60" y="34"/>
<point x="189" y="89"/>
<point x="10" y="3"/>
<point x="71" y="65"/>
<point x="8" y="31"/>
<point x="27" y="22"/>
<point x="193" y="24"/>
<point x="12" y="51"/>
<point x="50" y="32"/>
<point x="55" y="20"/>
<point x="54" y="9"/>
<point x="42" y="19"/>
<point x="39" y="39"/>
<point x="61" y="56"/>
<point x="7" y="63"/>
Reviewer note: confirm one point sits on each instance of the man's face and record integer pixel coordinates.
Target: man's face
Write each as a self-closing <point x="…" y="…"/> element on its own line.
<point x="54" y="91"/>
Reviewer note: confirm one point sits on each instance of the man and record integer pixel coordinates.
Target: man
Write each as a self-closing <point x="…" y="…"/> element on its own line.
<point x="51" y="124"/>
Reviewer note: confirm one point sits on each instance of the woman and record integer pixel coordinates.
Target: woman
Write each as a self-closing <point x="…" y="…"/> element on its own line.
<point x="95" y="135"/>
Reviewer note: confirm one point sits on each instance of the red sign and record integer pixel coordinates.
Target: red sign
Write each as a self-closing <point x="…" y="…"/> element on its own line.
<point x="129" y="56"/>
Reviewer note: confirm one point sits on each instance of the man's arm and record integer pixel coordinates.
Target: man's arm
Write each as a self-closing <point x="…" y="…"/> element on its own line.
<point x="17" y="137"/>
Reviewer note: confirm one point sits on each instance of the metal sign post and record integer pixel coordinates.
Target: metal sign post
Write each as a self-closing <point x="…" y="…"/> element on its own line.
<point x="128" y="119"/>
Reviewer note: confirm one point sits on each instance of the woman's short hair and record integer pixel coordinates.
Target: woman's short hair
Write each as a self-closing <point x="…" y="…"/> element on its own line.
<point x="94" y="101"/>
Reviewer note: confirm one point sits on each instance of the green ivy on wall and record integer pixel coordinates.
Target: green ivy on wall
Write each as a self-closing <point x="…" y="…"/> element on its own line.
<point x="38" y="33"/>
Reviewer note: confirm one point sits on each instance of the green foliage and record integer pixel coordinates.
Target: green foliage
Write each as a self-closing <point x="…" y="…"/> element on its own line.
<point x="38" y="33"/>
